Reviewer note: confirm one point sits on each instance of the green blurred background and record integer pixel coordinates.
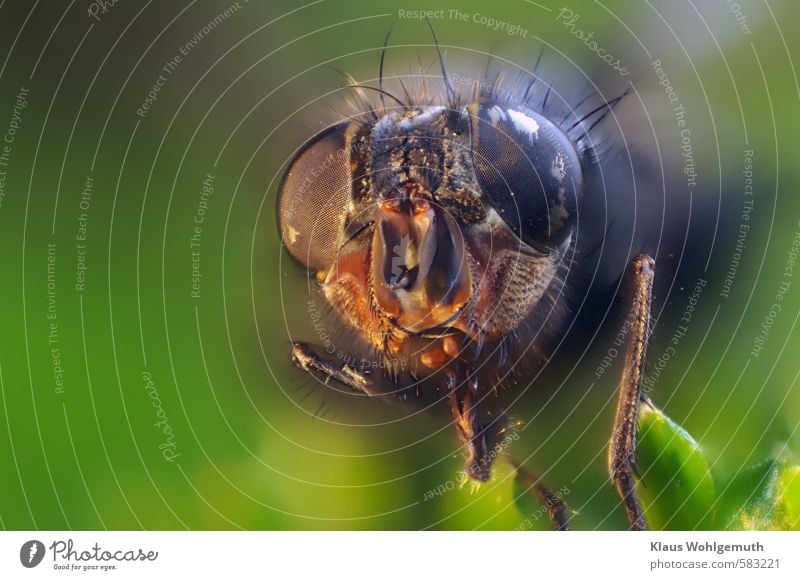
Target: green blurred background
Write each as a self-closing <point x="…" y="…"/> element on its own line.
<point x="251" y="442"/>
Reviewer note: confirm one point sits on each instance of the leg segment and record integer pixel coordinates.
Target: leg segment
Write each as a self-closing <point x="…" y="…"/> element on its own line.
<point x="622" y="451"/>
<point x="484" y="443"/>
<point x="306" y="359"/>
<point x="471" y="433"/>
<point x="556" y="508"/>
<point x="482" y="440"/>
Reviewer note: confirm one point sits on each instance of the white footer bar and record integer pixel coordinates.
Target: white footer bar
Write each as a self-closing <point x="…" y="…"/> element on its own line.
<point x="400" y="555"/>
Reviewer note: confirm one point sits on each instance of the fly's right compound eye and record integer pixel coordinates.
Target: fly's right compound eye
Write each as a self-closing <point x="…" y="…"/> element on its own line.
<point x="313" y="199"/>
<point x="529" y="171"/>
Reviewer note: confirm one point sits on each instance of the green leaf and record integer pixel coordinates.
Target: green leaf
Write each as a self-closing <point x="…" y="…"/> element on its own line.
<point x="675" y="483"/>
<point x="763" y="497"/>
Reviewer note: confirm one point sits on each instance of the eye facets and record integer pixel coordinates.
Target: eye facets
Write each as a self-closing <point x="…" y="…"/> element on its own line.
<point x="529" y="171"/>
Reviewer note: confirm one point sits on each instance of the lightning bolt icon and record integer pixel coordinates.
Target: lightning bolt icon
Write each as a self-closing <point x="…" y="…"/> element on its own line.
<point x="33" y="551"/>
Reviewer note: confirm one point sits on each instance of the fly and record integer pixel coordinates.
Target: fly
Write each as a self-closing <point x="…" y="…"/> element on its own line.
<point x="442" y="228"/>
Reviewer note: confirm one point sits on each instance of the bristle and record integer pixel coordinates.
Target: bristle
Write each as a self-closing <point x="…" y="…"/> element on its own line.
<point x="534" y="76"/>
<point x="605" y="107"/>
<point x="450" y="92"/>
<point x="571" y="110"/>
<point x="547" y="93"/>
<point x="579" y="111"/>
<point x="380" y="67"/>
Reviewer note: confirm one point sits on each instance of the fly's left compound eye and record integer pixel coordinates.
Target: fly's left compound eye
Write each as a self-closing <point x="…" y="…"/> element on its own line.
<point x="313" y="199"/>
<point x="529" y="171"/>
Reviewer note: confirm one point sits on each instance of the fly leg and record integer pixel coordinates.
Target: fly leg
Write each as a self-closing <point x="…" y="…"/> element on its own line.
<point x="622" y="450"/>
<point x="556" y="508"/>
<point x="307" y="360"/>
<point x="464" y="408"/>
<point x="485" y="442"/>
<point x="482" y="441"/>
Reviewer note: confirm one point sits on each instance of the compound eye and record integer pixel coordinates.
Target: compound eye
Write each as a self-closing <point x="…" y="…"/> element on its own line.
<point x="529" y="171"/>
<point x="313" y="199"/>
